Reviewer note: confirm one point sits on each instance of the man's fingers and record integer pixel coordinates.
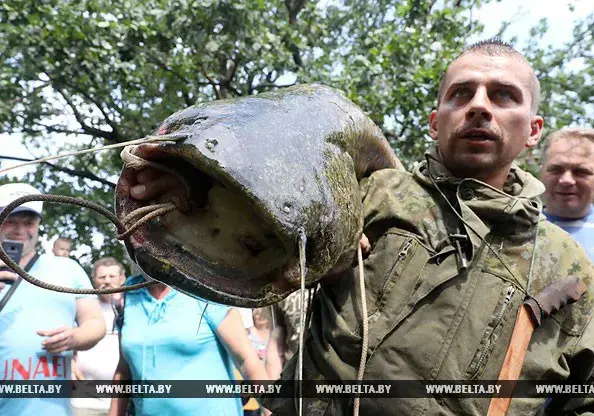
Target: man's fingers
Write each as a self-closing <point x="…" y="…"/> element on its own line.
<point x="8" y="276"/>
<point x="150" y="190"/>
<point x="148" y="175"/>
<point x="57" y="343"/>
<point x="55" y="340"/>
<point x="51" y="332"/>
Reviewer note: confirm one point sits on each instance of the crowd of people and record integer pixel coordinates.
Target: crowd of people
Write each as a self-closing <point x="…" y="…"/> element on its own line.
<point x="156" y="333"/>
<point x="479" y="242"/>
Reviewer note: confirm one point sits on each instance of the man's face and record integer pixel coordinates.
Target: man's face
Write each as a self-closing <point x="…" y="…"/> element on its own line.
<point x="568" y="175"/>
<point x="484" y="119"/>
<point x="62" y="248"/>
<point x="23" y="227"/>
<point x="108" y="277"/>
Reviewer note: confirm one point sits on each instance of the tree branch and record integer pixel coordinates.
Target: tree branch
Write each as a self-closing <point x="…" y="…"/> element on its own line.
<point x="212" y="82"/>
<point x="108" y="120"/>
<point x="109" y="135"/>
<point x="250" y="84"/>
<point x="231" y="73"/>
<point x="72" y="172"/>
<point x="58" y="83"/>
<point x="186" y="94"/>
<point x="52" y="129"/>
<point x="293" y="8"/>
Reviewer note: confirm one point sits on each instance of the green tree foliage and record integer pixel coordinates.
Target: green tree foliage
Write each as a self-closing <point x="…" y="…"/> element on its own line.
<point x="79" y="74"/>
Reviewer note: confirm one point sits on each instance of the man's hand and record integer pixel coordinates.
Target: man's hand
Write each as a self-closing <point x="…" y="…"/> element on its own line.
<point x="151" y="183"/>
<point x="6" y="277"/>
<point x="60" y="339"/>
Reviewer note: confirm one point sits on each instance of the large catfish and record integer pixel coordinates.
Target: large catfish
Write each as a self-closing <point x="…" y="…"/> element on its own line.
<point x="261" y="172"/>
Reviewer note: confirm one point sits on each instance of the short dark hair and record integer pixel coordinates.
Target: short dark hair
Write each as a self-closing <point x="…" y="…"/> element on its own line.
<point x="106" y="262"/>
<point x="567" y="133"/>
<point x="495" y="47"/>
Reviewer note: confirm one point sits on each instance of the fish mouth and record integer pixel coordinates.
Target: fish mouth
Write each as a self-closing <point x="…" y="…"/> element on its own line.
<point x="216" y="244"/>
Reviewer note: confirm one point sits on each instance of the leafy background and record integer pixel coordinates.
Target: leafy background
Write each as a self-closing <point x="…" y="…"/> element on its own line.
<point x="79" y="74"/>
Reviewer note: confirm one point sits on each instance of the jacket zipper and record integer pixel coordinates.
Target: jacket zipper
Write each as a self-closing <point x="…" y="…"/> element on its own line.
<point x="508" y="296"/>
<point x="401" y="256"/>
<point x="404" y="251"/>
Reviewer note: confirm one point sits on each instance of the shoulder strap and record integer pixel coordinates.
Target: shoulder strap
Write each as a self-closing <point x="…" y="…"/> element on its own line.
<point x="119" y="307"/>
<point x="17" y="282"/>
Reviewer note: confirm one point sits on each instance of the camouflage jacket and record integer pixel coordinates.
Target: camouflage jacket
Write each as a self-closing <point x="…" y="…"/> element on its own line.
<point x="431" y="320"/>
<point x="287" y="316"/>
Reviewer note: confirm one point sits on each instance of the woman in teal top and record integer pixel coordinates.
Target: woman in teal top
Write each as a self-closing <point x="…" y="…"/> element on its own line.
<point x="167" y="335"/>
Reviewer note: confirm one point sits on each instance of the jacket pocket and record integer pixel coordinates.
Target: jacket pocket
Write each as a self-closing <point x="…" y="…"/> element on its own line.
<point x="491" y="334"/>
<point x="402" y="247"/>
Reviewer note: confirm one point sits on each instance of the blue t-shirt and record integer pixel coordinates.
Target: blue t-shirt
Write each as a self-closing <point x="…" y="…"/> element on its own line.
<point x="30" y="309"/>
<point x="174" y="339"/>
<point x="582" y="229"/>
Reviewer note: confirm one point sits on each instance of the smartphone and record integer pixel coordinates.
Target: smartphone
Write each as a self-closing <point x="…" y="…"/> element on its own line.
<point x="14" y="249"/>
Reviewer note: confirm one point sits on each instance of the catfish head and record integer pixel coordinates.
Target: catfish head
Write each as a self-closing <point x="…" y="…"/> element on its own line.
<point x="259" y="173"/>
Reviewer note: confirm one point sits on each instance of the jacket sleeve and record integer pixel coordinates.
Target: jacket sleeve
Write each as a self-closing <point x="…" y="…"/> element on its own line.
<point x="581" y="357"/>
<point x="581" y="372"/>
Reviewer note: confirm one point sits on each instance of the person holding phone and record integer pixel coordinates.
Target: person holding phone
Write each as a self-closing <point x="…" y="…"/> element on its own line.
<point x="40" y="328"/>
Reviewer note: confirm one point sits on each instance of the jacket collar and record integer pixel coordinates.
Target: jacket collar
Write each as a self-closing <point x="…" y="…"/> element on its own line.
<point x="513" y="211"/>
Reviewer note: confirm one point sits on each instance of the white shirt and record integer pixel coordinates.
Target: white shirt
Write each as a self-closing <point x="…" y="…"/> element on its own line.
<point x="100" y="362"/>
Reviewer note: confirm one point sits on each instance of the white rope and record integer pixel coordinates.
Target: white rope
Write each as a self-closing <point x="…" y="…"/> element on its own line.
<point x="301" y="320"/>
<point x="365" y="336"/>
<point x="148" y="139"/>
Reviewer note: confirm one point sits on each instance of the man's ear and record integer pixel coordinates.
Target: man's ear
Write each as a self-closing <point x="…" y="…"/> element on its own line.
<point x="433" y="124"/>
<point x="535" y="131"/>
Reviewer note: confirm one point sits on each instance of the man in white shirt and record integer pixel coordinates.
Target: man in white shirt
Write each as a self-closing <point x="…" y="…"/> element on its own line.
<point x="99" y="363"/>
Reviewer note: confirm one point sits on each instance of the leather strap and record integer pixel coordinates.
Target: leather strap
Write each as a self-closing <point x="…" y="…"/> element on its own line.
<point x="17" y="282"/>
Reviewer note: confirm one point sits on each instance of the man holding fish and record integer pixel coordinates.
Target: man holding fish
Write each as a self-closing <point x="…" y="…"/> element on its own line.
<point x="459" y="251"/>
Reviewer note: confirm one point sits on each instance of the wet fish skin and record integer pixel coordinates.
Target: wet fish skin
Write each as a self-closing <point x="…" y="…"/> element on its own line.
<point x="295" y="157"/>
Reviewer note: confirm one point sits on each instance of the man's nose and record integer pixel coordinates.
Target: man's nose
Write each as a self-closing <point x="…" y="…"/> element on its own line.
<point x="20" y="229"/>
<point x="567" y="178"/>
<point x="479" y="106"/>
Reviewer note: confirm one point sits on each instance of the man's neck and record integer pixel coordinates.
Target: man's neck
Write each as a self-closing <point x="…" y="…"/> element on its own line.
<point x="568" y="217"/>
<point x="495" y="179"/>
<point x="159" y="291"/>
